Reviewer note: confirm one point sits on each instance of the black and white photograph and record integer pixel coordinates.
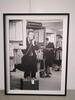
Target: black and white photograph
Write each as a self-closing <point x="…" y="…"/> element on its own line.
<point x="35" y="50"/>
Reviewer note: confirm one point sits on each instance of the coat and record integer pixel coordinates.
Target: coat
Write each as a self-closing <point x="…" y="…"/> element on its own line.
<point x="29" y="61"/>
<point x="49" y="55"/>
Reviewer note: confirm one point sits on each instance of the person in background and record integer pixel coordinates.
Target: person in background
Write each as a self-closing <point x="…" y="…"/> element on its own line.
<point x="17" y="52"/>
<point x="41" y="62"/>
<point x="49" y="57"/>
<point x="59" y="52"/>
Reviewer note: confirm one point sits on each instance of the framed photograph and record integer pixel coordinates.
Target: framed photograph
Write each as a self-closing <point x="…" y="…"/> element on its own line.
<point x="36" y="53"/>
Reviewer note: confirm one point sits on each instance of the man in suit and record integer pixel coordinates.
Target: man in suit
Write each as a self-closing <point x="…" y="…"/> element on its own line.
<point x="49" y="57"/>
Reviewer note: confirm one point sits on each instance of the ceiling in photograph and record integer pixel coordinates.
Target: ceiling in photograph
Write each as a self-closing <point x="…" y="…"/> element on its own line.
<point x="53" y="26"/>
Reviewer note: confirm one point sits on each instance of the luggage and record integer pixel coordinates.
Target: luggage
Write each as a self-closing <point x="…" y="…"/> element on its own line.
<point x="29" y="84"/>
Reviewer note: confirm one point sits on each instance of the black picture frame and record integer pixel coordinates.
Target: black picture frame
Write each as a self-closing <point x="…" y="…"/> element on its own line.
<point x="55" y="17"/>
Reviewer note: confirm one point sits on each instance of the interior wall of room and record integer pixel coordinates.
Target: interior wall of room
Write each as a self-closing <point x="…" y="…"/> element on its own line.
<point x="41" y="6"/>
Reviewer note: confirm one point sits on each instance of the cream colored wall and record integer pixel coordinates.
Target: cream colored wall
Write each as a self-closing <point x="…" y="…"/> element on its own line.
<point x="41" y="6"/>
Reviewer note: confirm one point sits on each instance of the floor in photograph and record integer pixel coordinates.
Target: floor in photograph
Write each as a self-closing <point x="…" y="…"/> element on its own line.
<point x="52" y="83"/>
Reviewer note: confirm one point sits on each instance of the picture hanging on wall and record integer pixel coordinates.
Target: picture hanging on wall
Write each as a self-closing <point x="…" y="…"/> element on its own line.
<point x="36" y="53"/>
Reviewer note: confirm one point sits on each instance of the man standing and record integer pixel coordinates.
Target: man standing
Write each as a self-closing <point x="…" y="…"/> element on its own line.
<point x="49" y="57"/>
